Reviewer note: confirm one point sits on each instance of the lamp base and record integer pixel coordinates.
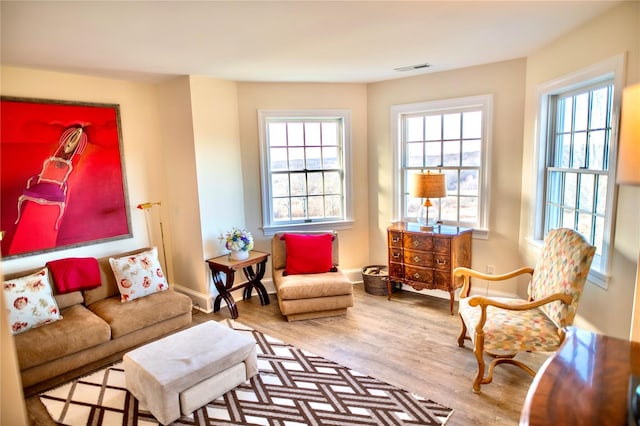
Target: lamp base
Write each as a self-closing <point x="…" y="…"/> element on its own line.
<point x="427" y="217"/>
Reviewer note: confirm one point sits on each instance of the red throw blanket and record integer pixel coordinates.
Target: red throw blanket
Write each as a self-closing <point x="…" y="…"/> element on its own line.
<point x="75" y="273"/>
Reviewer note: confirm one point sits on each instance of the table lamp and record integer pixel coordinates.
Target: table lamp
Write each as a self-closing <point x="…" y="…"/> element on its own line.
<point x="428" y="185"/>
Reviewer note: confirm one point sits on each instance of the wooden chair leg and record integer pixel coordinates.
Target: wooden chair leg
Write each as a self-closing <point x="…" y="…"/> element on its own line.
<point x="478" y="352"/>
<point x="463" y="332"/>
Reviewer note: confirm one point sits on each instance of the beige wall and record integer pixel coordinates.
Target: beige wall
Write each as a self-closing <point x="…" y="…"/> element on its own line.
<point x="615" y="32"/>
<point x="218" y="163"/>
<point x="181" y="147"/>
<point x="192" y="143"/>
<point x="505" y="81"/>
<point x="354" y="242"/>
<point x="140" y="132"/>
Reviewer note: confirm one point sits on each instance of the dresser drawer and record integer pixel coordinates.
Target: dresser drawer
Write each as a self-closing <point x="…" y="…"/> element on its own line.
<point x="396" y="270"/>
<point x="395" y="239"/>
<point x="441" y="261"/>
<point x="395" y="254"/>
<point x="418" y="242"/>
<point x="418" y="258"/>
<point x="442" y="245"/>
<point x="442" y="280"/>
<point x="414" y="273"/>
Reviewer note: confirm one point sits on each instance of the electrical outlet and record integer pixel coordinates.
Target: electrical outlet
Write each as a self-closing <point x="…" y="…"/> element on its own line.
<point x="491" y="269"/>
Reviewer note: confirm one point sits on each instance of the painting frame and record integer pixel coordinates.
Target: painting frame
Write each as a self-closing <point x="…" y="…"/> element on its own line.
<point x="62" y="175"/>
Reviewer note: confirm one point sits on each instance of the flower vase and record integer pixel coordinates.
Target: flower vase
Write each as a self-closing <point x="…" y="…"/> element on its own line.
<point x="239" y="254"/>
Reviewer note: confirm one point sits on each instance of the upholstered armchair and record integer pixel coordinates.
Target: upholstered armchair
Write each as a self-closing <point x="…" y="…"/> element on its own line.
<point x="306" y="276"/>
<point x="502" y="327"/>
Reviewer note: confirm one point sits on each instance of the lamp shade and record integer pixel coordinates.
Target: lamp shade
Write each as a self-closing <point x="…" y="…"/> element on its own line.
<point x="629" y="145"/>
<point x="428" y="185"/>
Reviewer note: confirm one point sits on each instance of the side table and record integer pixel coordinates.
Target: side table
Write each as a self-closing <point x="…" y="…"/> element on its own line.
<point x="224" y="264"/>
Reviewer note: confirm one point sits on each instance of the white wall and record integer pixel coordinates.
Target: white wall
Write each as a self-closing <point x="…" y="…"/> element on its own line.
<point x="139" y="133"/>
<point x="203" y="176"/>
<point x="181" y="147"/>
<point x="505" y="81"/>
<point x="354" y="244"/>
<point x="196" y="205"/>
<point x="613" y="33"/>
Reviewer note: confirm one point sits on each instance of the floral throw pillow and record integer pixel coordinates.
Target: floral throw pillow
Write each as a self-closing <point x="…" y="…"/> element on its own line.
<point x="138" y="275"/>
<point x="30" y="301"/>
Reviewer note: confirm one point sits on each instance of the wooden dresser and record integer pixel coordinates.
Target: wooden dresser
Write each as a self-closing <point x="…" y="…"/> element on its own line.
<point x="426" y="259"/>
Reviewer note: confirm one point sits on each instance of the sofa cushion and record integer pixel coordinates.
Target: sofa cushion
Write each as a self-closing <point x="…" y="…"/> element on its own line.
<point x="30" y="301"/>
<point x="138" y="275"/>
<point x="306" y="286"/>
<point x="125" y="318"/>
<point x="78" y="330"/>
<point x="108" y="287"/>
<point x="68" y="299"/>
<point x="308" y="254"/>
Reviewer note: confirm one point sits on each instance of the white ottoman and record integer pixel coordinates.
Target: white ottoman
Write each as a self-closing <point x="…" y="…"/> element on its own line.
<point x="177" y="374"/>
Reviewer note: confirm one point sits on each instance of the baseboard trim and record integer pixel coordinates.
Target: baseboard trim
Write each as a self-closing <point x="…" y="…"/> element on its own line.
<point x="202" y="302"/>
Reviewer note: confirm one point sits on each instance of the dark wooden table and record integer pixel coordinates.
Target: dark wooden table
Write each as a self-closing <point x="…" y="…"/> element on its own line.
<point x="585" y="383"/>
<point x="224" y="265"/>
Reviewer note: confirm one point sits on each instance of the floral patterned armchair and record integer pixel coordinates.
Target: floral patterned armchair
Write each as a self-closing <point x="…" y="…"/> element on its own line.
<point x="502" y="327"/>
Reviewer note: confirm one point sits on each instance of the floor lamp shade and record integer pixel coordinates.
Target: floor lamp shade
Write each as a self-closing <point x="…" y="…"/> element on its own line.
<point x="428" y="185"/>
<point x="628" y="172"/>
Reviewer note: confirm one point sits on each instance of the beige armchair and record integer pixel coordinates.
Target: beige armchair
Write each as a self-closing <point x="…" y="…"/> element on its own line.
<point x="309" y="295"/>
<point x="502" y="327"/>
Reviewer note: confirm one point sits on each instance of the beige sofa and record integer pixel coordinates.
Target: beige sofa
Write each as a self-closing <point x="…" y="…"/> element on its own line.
<point x="96" y="327"/>
<point x="307" y="296"/>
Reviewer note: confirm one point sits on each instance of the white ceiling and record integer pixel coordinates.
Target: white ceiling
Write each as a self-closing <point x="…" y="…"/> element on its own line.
<point x="292" y="41"/>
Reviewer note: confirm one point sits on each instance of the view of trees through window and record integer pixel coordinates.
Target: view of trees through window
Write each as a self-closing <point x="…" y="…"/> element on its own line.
<point x="577" y="174"/>
<point x="305" y="160"/>
<point x="450" y="143"/>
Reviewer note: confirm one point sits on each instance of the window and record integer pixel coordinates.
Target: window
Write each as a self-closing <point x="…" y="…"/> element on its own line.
<point x="305" y="178"/>
<point x="452" y="137"/>
<point x="576" y="174"/>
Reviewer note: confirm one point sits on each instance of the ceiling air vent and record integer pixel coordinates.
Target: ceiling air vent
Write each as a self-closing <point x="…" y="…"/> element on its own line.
<point x="412" y="67"/>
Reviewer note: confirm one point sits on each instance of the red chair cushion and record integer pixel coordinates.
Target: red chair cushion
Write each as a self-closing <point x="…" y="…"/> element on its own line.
<point x="308" y="254"/>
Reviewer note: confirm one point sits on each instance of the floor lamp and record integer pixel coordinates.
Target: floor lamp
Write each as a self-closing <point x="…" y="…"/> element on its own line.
<point x="629" y="173"/>
<point x="146" y="207"/>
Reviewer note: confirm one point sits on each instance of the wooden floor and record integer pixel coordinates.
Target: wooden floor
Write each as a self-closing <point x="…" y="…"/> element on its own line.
<point x="410" y="341"/>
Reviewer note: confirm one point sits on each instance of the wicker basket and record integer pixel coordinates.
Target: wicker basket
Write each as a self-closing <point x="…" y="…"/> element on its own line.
<point x="375" y="278"/>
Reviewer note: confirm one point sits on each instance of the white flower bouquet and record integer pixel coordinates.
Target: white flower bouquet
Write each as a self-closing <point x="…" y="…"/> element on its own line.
<point x="237" y="240"/>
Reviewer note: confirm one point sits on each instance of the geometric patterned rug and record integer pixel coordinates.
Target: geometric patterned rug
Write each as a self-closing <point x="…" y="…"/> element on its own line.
<point x="293" y="387"/>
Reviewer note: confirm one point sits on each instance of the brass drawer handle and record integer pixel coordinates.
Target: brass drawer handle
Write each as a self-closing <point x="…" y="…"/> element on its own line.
<point x="395" y="239"/>
<point x="395" y="255"/>
<point x="416" y="259"/>
<point x="416" y="243"/>
<point x="416" y="276"/>
<point x="441" y="261"/>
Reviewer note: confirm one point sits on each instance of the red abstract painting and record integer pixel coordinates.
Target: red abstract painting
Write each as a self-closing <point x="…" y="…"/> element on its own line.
<point x="62" y="175"/>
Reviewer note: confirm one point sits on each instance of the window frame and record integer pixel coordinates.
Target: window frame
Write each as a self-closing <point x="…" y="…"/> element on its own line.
<point x="444" y="106"/>
<point x="269" y="226"/>
<point x="612" y="69"/>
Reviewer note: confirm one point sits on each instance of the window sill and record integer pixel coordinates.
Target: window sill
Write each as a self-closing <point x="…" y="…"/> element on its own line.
<point x="480" y="234"/>
<point x="269" y="231"/>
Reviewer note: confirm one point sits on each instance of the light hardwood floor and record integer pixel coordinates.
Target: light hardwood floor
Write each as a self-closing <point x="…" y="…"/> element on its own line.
<point x="410" y="341"/>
